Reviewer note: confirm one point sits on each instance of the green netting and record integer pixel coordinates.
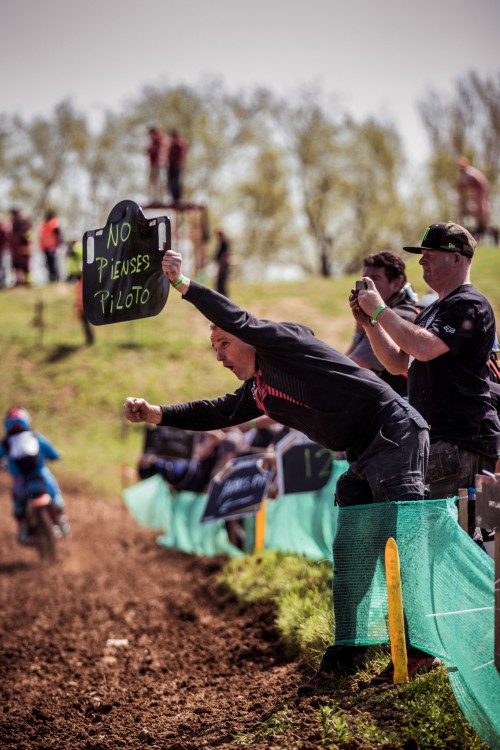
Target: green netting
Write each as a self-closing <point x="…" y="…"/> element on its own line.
<point x="178" y="516"/>
<point x="304" y="523"/>
<point x="448" y="595"/>
<point x="150" y="503"/>
<point x="448" y="582"/>
<point x="190" y="535"/>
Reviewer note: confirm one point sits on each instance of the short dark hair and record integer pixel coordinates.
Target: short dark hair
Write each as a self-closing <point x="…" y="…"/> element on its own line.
<point x="392" y="263"/>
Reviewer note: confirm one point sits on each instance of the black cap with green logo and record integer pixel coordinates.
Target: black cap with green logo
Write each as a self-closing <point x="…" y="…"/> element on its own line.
<point x="446" y="236"/>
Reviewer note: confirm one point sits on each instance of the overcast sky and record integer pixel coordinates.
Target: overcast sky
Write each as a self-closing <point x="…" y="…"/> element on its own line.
<point x="380" y="57"/>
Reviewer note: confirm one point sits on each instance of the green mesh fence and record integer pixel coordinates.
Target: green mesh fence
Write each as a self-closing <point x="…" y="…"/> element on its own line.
<point x="448" y="582"/>
<point x="304" y="523"/>
<point x="178" y="516"/>
<point x="150" y="503"/>
<point x="448" y="595"/>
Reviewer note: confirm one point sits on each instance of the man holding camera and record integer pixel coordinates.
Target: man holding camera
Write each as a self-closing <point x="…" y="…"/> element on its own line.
<point x="446" y="352"/>
<point x="388" y="272"/>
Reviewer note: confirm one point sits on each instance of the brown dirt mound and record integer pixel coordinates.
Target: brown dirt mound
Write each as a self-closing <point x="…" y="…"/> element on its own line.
<point x="124" y="644"/>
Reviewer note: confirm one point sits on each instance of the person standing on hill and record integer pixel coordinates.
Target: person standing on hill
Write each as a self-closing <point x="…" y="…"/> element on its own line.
<point x="4" y="243"/>
<point x="50" y="237"/>
<point x="304" y="384"/>
<point x="222" y="258"/>
<point x="177" y="148"/>
<point x="473" y="197"/>
<point x="20" y="244"/>
<point x="156" y="156"/>
<point x="74" y="260"/>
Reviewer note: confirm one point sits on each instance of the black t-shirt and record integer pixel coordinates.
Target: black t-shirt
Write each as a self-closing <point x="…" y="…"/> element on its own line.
<point x="452" y="391"/>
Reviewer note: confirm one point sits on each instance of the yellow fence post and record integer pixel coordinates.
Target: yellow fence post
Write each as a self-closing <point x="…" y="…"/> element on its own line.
<point x="396" y="616"/>
<point x="260" y="527"/>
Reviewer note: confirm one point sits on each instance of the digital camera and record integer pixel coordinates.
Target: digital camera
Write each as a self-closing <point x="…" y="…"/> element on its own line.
<point x="359" y="286"/>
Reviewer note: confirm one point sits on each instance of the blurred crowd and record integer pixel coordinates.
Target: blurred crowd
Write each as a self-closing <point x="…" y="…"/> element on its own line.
<point x="36" y="254"/>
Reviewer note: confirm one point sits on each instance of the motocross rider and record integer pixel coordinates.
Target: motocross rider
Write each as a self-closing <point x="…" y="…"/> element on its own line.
<point x="26" y="452"/>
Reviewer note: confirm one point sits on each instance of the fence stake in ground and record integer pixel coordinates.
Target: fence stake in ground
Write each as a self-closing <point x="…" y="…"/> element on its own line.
<point x="396" y="616"/>
<point x="260" y="527"/>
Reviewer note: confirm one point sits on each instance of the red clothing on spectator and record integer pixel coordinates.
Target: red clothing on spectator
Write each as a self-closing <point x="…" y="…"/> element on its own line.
<point x="49" y="234"/>
<point x="156" y="148"/>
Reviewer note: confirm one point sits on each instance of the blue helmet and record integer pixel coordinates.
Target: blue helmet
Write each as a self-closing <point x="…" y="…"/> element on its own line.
<point x="17" y="420"/>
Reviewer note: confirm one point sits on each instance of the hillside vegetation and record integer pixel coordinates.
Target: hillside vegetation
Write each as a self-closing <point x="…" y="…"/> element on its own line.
<point x="75" y="393"/>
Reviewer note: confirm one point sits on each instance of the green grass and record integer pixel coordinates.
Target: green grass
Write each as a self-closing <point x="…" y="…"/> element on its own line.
<point x="299" y="590"/>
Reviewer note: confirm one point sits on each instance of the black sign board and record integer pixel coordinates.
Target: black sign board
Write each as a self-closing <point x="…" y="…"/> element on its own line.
<point x="238" y="490"/>
<point x="122" y="274"/>
<point x="168" y="442"/>
<point x="303" y="466"/>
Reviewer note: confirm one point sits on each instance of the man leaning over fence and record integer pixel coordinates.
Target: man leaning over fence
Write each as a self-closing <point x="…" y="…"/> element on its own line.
<point x="305" y="384"/>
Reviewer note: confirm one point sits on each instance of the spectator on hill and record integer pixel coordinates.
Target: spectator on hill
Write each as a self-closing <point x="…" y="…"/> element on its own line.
<point x="177" y="148"/>
<point x="20" y="246"/>
<point x="222" y="258"/>
<point x="473" y="197"/>
<point x="156" y="158"/>
<point x="304" y="384"/>
<point x="446" y="352"/>
<point x="88" y="329"/>
<point x="4" y="244"/>
<point x="388" y="272"/>
<point x="50" y="237"/>
<point x="74" y="260"/>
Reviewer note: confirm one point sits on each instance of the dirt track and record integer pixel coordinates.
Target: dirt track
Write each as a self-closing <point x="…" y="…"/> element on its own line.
<point x="196" y="671"/>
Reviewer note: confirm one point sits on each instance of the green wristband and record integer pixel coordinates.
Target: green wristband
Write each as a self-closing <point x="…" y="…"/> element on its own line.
<point x="377" y="312"/>
<point x="179" y="281"/>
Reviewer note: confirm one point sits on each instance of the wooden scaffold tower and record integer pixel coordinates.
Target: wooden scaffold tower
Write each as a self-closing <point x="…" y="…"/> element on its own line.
<point x="190" y="233"/>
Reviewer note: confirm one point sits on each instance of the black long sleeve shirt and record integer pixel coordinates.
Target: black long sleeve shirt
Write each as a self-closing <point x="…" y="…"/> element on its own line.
<point x="301" y="382"/>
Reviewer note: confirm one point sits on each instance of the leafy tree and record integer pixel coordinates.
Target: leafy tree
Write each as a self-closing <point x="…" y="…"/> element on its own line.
<point x="42" y="153"/>
<point x="373" y="207"/>
<point x="297" y="178"/>
<point x="349" y="176"/>
<point x="314" y="142"/>
<point x="263" y="205"/>
<point x="113" y="170"/>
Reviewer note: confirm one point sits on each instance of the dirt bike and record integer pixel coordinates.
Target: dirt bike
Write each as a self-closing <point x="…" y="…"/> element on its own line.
<point x="41" y="524"/>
